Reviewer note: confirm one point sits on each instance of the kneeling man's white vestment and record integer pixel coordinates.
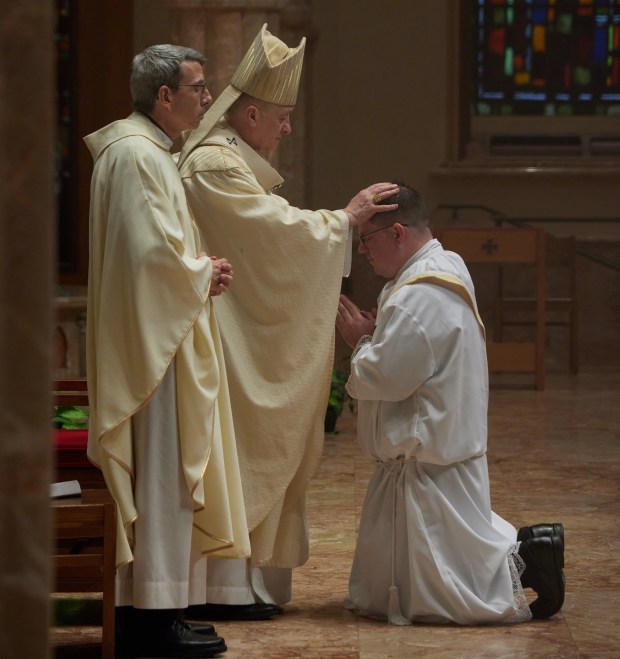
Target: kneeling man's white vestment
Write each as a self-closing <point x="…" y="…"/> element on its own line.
<point x="430" y="549"/>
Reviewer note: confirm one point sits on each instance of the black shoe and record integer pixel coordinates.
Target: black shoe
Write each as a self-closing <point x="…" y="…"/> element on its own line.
<point x="157" y="633"/>
<point x="202" y="628"/>
<point x="541" y="530"/>
<point x="544" y="559"/>
<point x="258" y="611"/>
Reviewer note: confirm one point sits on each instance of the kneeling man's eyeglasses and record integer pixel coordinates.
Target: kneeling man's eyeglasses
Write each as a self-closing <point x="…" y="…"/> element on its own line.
<point x="364" y="236"/>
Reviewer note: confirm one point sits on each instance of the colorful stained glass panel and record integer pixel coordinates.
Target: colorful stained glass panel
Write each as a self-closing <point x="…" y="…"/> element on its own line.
<point x="547" y="57"/>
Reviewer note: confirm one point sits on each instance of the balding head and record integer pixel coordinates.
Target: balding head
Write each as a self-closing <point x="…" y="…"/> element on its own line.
<point x="262" y="125"/>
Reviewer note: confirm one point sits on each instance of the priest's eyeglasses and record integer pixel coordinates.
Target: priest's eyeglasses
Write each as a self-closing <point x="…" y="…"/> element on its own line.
<point x="364" y="236"/>
<point x="200" y="87"/>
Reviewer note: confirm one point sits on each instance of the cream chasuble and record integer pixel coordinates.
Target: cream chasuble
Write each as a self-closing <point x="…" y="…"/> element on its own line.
<point x="147" y="304"/>
<point x="277" y="327"/>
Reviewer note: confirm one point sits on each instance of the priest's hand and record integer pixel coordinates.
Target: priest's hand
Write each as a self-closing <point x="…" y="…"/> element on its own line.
<point x="352" y="323"/>
<point x="367" y="203"/>
<point x="222" y="276"/>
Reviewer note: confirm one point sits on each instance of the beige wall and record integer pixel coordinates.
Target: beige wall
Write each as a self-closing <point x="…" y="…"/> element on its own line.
<point x="379" y="94"/>
<point x="150" y="23"/>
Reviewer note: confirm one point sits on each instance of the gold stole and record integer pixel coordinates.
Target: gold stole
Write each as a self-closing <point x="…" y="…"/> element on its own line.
<point x="448" y="281"/>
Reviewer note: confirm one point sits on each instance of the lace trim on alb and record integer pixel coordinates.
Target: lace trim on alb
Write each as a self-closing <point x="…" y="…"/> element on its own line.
<point x="362" y="342"/>
<point x="516" y="566"/>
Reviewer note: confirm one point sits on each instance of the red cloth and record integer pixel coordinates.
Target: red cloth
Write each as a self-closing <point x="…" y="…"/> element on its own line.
<point x="70" y="449"/>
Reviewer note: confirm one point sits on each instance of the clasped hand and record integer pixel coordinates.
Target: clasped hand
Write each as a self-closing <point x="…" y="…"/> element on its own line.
<point x="222" y="275"/>
<point x="352" y="322"/>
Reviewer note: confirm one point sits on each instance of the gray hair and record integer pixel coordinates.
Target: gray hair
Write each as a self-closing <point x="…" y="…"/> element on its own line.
<point x="156" y="66"/>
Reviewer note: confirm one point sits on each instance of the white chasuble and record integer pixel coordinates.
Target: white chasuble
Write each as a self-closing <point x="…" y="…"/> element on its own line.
<point x="148" y="302"/>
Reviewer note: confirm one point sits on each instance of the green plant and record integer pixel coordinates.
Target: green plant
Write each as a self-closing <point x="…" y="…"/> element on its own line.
<point x="70" y="417"/>
<point x="337" y="392"/>
<point x="337" y="396"/>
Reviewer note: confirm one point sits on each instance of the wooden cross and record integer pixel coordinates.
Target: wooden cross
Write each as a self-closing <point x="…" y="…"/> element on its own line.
<point x="489" y="247"/>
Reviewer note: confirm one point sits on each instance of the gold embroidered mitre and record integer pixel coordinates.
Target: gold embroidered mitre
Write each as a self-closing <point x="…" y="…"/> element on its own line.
<point x="269" y="70"/>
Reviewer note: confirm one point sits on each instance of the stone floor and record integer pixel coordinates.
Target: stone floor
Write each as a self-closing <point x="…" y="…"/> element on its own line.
<point x="553" y="456"/>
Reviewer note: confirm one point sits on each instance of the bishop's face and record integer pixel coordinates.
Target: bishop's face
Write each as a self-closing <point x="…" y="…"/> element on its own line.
<point x="271" y="123"/>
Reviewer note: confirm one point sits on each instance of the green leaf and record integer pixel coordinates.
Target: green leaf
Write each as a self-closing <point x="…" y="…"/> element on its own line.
<point x="70" y="417"/>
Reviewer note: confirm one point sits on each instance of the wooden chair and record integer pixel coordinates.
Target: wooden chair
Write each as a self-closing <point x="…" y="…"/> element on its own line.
<point x="84" y="527"/>
<point x="501" y="246"/>
<point x="561" y="310"/>
<point x="84" y="555"/>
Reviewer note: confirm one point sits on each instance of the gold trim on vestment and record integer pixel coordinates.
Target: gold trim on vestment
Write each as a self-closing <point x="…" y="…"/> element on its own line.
<point x="448" y="281"/>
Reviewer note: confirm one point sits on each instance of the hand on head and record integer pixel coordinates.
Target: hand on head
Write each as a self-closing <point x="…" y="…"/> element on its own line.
<point x="366" y="203"/>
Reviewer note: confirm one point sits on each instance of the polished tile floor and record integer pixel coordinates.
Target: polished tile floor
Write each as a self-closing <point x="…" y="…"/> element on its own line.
<point x="553" y="456"/>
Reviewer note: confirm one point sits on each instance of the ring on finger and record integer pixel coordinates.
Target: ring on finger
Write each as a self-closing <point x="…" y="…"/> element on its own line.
<point x="377" y="198"/>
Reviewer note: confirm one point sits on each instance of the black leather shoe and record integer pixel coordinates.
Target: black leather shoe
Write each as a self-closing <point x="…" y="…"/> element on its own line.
<point x="155" y="636"/>
<point x="202" y="628"/>
<point x="258" y="611"/>
<point x="544" y="559"/>
<point x="541" y="530"/>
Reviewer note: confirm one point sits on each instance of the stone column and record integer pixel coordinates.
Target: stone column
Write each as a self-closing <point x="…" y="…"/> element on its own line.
<point x="27" y="217"/>
<point x="223" y="31"/>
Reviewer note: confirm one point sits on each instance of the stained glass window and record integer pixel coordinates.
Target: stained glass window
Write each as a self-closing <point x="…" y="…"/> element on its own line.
<point x="547" y="57"/>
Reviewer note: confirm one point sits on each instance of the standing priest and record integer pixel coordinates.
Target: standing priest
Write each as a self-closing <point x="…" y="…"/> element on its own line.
<point x="161" y="426"/>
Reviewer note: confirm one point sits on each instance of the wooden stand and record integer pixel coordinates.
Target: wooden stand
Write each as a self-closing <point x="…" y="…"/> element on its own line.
<point x="85" y="552"/>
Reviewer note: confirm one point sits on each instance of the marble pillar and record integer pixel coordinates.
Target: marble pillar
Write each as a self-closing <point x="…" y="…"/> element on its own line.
<point x="223" y="31"/>
<point x="26" y="282"/>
